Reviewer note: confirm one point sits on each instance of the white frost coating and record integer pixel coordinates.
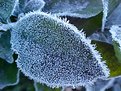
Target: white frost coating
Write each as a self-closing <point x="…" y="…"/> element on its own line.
<point x="54" y="52"/>
<point x="116" y="34"/>
<point x="105" y="12"/>
<point x="34" y="5"/>
<point x="25" y="6"/>
<point x="73" y="8"/>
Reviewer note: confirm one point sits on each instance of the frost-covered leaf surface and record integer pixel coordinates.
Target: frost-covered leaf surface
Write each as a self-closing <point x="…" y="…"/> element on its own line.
<point x="75" y="8"/>
<point x="108" y="54"/>
<point x="25" y="6"/>
<point x="116" y="35"/>
<point x="8" y="74"/>
<point x="6" y="7"/>
<point x="115" y="17"/>
<point x="54" y="52"/>
<point x="5" y="47"/>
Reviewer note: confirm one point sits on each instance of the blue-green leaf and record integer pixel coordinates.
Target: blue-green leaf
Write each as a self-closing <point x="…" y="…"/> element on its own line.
<point x="6" y="8"/>
<point x="9" y="74"/>
<point x="5" y="47"/>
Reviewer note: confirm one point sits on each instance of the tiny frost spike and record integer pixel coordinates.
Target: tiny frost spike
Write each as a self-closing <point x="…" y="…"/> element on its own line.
<point x="54" y="52"/>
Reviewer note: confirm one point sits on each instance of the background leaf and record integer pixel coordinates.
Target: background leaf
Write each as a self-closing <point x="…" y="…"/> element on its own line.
<point x="24" y="85"/>
<point x="8" y="74"/>
<point x="5" y="47"/>
<point x="25" y="6"/>
<point x="75" y="8"/>
<point x="115" y="17"/>
<point x="42" y="87"/>
<point x="6" y="7"/>
<point x="108" y="54"/>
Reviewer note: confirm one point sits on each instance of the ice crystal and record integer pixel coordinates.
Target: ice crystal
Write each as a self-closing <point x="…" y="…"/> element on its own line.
<point x="54" y="52"/>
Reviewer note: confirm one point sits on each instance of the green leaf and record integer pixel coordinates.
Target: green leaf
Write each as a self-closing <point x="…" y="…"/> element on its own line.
<point x="117" y="50"/>
<point x="9" y="74"/>
<point x="108" y="54"/>
<point x="6" y="7"/>
<point x="42" y="87"/>
<point x="24" y="85"/>
<point x="5" y="47"/>
<point x="75" y="8"/>
<point x="86" y="24"/>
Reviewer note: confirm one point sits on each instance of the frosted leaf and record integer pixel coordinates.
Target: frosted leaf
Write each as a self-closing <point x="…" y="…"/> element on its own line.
<point x="116" y="35"/>
<point x="105" y="13"/>
<point x="6" y="7"/>
<point x="5" y="47"/>
<point x="75" y="8"/>
<point x="115" y="17"/>
<point x="53" y="52"/>
<point x="24" y="6"/>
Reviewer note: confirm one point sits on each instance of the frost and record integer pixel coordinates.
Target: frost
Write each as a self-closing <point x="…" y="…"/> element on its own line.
<point x="75" y="8"/>
<point x="25" y="6"/>
<point x="105" y="12"/>
<point x="54" y="52"/>
<point x="6" y="7"/>
<point x="116" y="34"/>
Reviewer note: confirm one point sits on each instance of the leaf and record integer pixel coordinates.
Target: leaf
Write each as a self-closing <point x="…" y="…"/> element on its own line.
<point x="102" y="36"/>
<point x="5" y="47"/>
<point x="42" y="87"/>
<point x="115" y="17"/>
<point x="108" y="7"/>
<point x="108" y="54"/>
<point x="24" y="85"/>
<point x="74" y="8"/>
<point x="6" y="7"/>
<point x="86" y="24"/>
<point x="50" y="50"/>
<point x="116" y="37"/>
<point x="25" y="6"/>
<point x="9" y="74"/>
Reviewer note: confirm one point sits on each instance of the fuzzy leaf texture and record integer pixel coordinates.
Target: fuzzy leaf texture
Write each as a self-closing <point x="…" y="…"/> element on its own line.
<point x="5" y="47"/>
<point x="54" y="52"/>
<point x="116" y="35"/>
<point x="6" y="7"/>
<point x="9" y="74"/>
<point x="75" y="8"/>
